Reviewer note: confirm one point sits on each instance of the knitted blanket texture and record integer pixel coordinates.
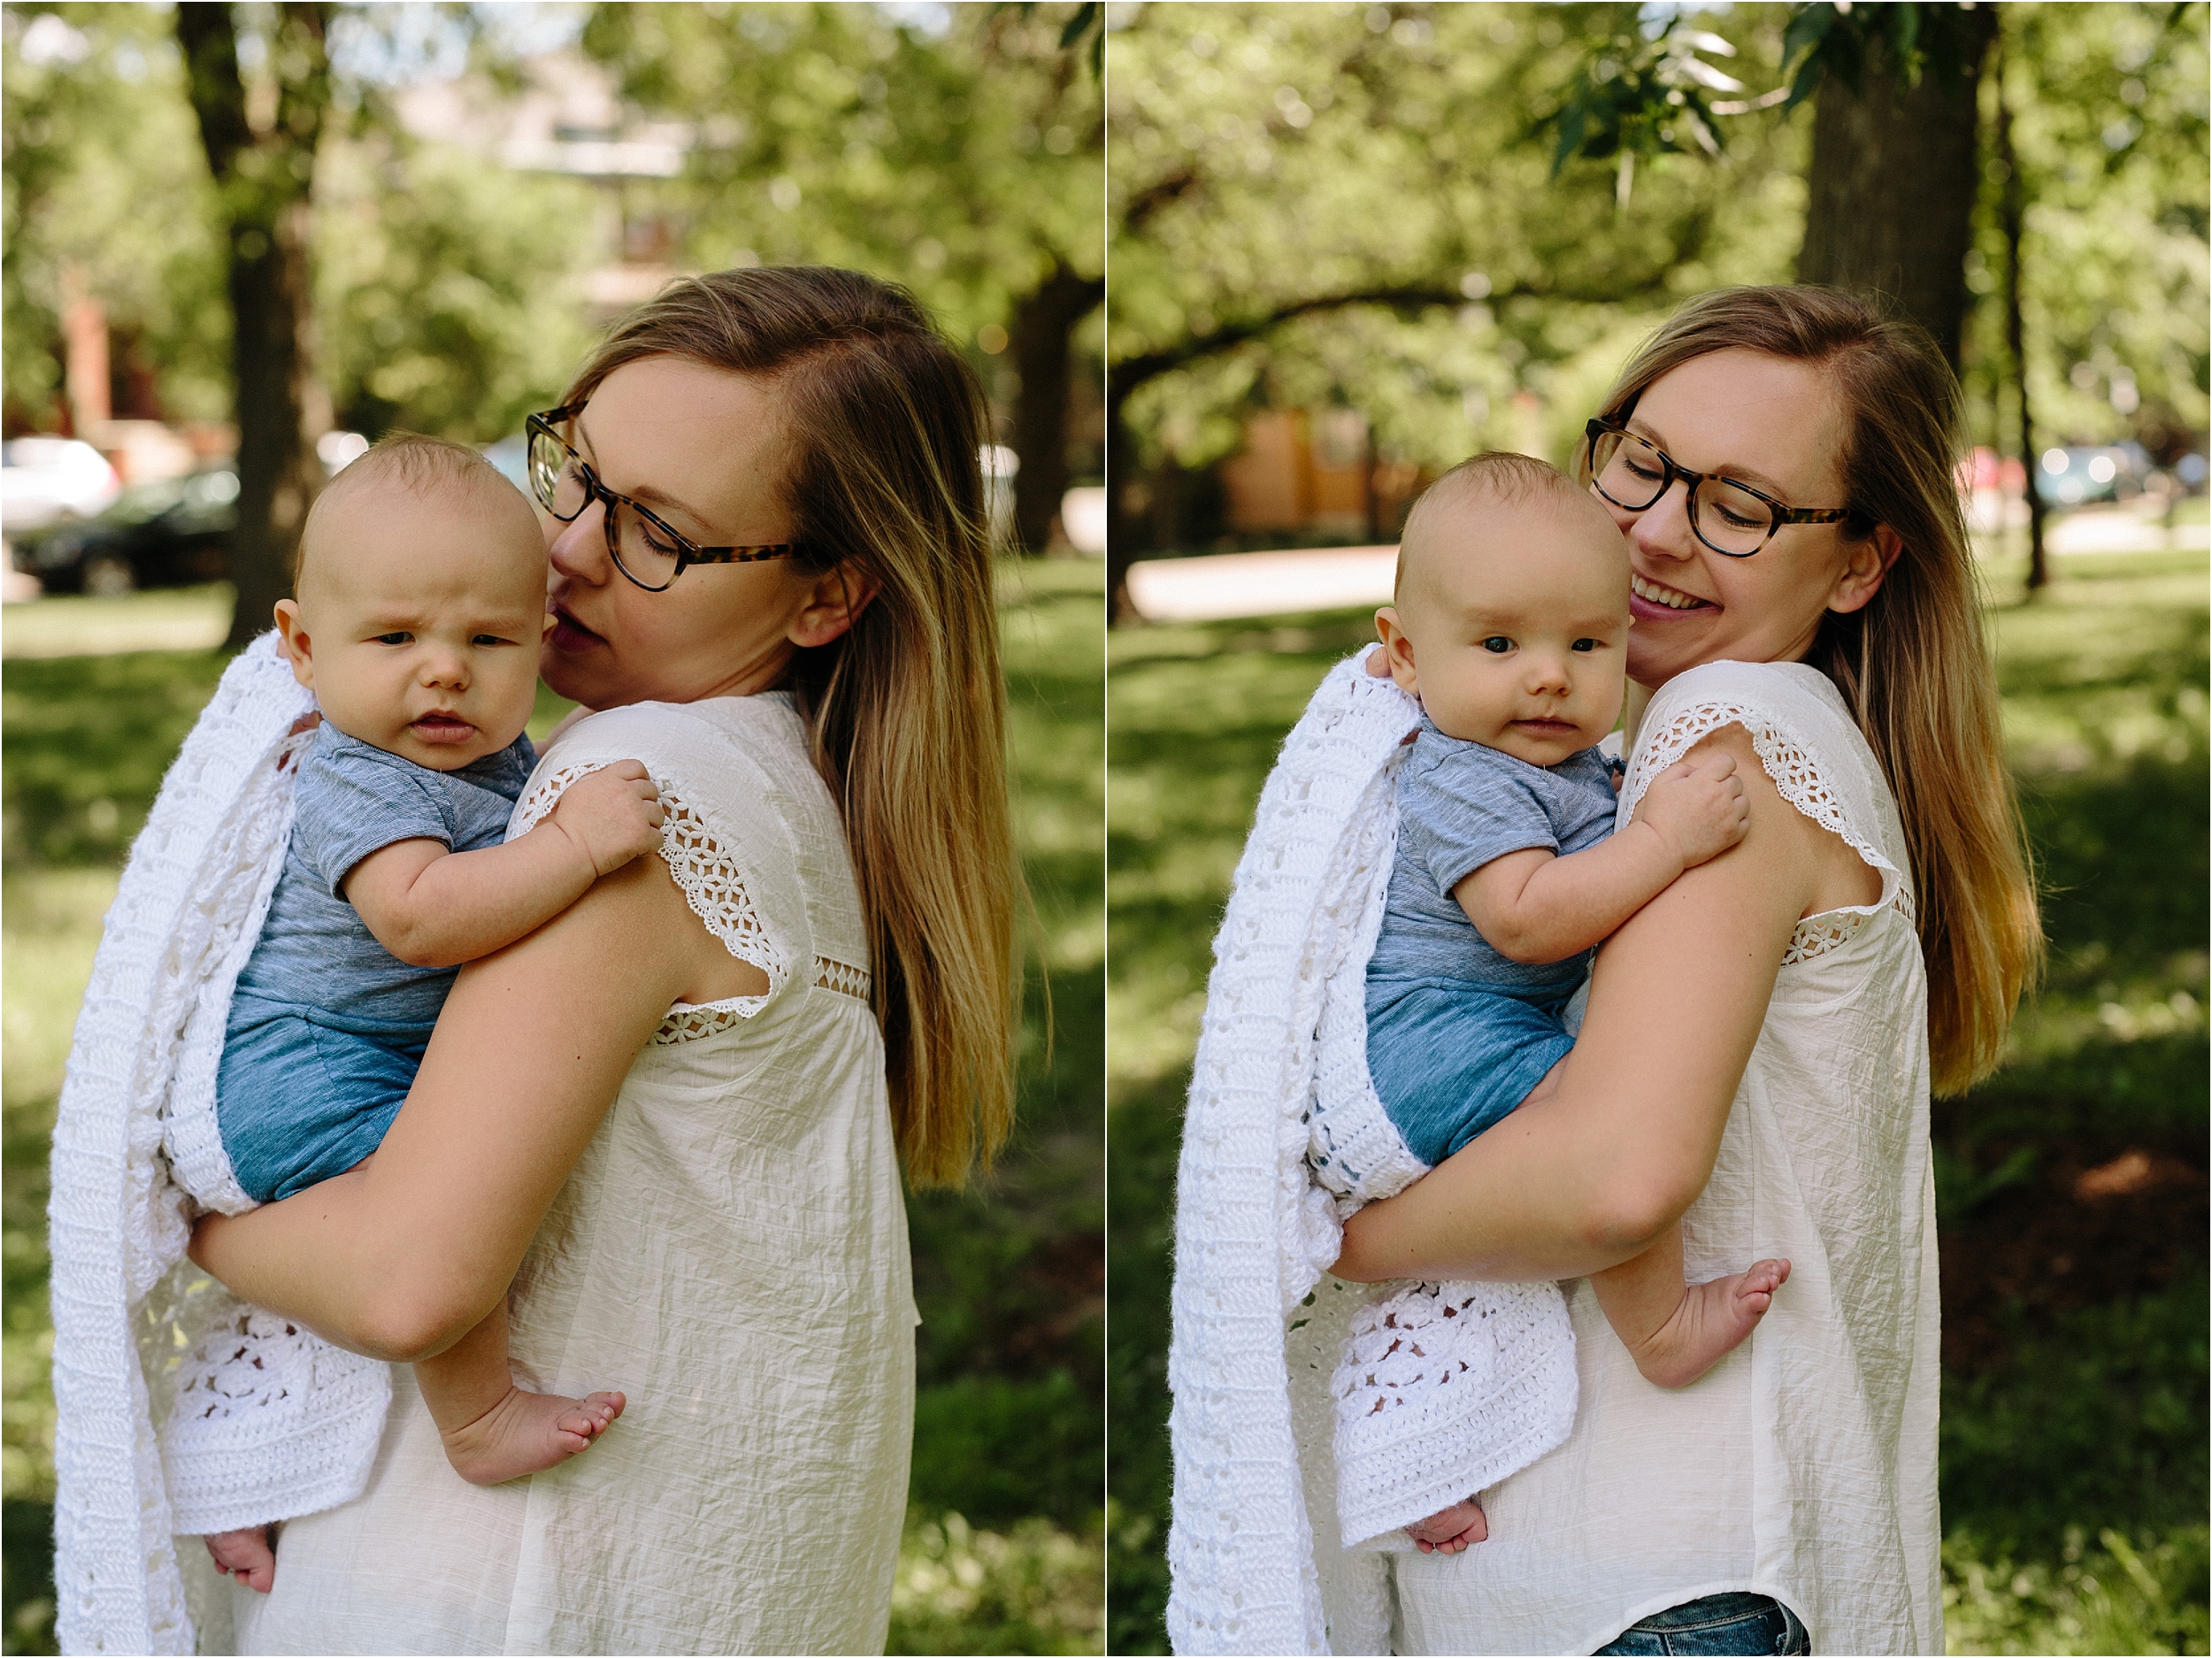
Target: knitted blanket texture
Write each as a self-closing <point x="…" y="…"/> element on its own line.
<point x="261" y="1420"/>
<point x="1309" y="1418"/>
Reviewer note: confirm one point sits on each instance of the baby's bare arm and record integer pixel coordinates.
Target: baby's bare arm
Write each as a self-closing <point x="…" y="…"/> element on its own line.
<point x="433" y="908"/>
<point x="1534" y="906"/>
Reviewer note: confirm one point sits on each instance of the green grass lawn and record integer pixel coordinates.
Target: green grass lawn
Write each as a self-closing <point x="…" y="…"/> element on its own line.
<point x="2071" y="1186"/>
<point x="1002" y="1548"/>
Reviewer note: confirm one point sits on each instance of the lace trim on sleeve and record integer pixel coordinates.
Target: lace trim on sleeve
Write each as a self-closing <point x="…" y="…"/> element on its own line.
<point x="1798" y="780"/>
<point x="713" y="887"/>
<point x="709" y="877"/>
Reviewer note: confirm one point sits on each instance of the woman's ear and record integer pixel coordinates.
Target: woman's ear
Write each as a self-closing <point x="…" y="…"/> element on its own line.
<point x="1866" y="564"/>
<point x="834" y="602"/>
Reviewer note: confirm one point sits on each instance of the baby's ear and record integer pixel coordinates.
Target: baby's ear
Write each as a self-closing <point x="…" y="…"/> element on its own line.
<point x="293" y="640"/>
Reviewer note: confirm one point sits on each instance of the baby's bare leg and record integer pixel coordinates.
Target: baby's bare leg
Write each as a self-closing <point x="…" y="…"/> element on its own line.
<point x="494" y="1430"/>
<point x="1676" y="1334"/>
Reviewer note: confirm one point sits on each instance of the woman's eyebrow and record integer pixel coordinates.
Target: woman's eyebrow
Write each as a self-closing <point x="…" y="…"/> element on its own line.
<point x="646" y="493"/>
<point x="1742" y="474"/>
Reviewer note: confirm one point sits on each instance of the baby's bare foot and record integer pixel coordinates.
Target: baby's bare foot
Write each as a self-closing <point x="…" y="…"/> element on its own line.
<point x="1711" y="1321"/>
<point x="525" y="1433"/>
<point x="1451" y="1530"/>
<point x="248" y="1556"/>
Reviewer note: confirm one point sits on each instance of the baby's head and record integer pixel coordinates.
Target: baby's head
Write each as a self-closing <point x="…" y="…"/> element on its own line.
<point x="420" y="603"/>
<point x="1510" y="615"/>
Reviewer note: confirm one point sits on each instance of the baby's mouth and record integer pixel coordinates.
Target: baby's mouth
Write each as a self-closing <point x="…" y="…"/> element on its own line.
<point x="442" y="727"/>
<point x="1653" y="598"/>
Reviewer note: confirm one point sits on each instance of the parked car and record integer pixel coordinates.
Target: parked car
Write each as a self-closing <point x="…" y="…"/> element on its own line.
<point x="43" y="479"/>
<point x="166" y="533"/>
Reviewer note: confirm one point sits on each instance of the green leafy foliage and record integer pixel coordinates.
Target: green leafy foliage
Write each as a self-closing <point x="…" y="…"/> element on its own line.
<point x="104" y="192"/>
<point x="1316" y="205"/>
<point x="961" y="160"/>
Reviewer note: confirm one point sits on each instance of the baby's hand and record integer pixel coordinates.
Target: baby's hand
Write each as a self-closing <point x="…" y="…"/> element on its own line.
<point x="613" y="813"/>
<point x="1699" y="807"/>
<point x="248" y="1556"/>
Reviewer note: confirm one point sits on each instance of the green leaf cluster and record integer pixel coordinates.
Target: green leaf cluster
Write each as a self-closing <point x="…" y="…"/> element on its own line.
<point x="957" y="154"/>
<point x="104" y="189"/>
<point x="2110" y="108"/>
<point x="1340" y="204"/>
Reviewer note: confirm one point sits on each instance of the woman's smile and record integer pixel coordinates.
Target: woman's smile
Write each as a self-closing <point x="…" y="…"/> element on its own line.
<point x="1651" y="598"/>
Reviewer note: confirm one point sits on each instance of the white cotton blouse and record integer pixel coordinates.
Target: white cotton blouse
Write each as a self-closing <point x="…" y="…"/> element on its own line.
<point x="730" y="1251"/>
<point x="1803" y="1466"/>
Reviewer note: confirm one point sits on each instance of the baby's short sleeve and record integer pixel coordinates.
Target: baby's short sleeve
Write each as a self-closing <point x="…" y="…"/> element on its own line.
<point x="352" y="800"/>
<point x="1459" y="810"/>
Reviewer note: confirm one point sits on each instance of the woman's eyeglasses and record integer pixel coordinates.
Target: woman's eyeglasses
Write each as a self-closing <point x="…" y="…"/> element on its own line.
<point x="643" y="548"/>
<point x="1732" y="518"/>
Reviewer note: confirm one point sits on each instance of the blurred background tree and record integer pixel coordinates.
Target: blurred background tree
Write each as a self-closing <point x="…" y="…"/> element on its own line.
<point x="1451" y="219"/>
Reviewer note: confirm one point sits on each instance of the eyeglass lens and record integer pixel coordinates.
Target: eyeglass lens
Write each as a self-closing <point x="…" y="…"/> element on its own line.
<point x="641" y="548"/>
<point x="1726" y="517"/>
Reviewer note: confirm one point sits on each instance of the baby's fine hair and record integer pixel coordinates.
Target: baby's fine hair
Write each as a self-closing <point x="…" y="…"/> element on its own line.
<point x="421" y="466"/>
<point x="1496" y="478"/>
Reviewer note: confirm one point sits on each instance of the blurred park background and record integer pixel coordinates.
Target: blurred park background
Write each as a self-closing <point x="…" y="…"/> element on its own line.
<point x="241" y="241"/>
<point x="1352" y="244"/>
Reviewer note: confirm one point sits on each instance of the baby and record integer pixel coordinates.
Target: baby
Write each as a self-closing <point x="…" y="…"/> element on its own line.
<point x="420" y="609"/>
<point x="1511" y="622"/>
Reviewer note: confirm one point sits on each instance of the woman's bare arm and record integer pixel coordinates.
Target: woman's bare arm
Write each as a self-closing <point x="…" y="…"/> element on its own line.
<point x="1593" y="1175"/>
<point x="402" y="1255"/>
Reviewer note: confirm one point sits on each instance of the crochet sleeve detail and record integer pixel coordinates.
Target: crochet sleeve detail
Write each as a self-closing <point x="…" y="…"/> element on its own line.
<point x="704" y="870"/>
<point x="1814" y="782"/>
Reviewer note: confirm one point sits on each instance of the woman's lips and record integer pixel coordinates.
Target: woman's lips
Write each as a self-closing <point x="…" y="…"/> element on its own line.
<point x="1656" y="600"/>
<point x="569" y="635"/>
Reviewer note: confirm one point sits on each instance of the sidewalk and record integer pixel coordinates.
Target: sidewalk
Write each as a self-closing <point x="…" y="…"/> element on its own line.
<point x="1220" y="587"/>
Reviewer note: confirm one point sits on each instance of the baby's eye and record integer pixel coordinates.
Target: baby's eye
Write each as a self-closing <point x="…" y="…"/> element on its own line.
<point x="1586" y="644"/>
<point x="394" y="639"/>
<point x="1497" y="644"/>
<point x="490" y="638"/>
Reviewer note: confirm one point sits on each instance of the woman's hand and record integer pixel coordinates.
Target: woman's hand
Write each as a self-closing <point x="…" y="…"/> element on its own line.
<point x="1594" y="1174"/>
<point x="402" y="1256"/>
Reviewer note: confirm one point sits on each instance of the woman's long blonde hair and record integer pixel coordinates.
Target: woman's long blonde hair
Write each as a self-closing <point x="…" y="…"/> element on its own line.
<point x="907" y="710"/>
<point x="1912" y="664"/>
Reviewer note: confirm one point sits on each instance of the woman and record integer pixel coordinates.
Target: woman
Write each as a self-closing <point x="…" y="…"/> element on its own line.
<point x="1754" y="1059"/>
<point x="770" y="567"/>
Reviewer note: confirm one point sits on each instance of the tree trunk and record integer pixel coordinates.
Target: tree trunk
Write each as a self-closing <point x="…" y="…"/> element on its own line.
<point x="2012" y="212"/>
<point x="1895" y="174"/>
<point x="264" y="175"/>
<point x="1044" y="325"/>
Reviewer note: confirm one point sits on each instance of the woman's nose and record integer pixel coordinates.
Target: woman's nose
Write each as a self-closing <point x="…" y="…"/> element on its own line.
<point x="579" y="550"/>
<point x="1663" y="529"/>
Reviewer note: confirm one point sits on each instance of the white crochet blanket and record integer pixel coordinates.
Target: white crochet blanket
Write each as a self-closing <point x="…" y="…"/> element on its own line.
<point x="261" y="1420"/>
<point x="1433" y="1390"/>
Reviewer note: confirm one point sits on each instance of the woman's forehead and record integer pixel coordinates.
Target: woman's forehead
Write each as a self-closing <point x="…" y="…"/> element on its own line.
<point x="1772" y="421"/>
<point x="673" y="431"/>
